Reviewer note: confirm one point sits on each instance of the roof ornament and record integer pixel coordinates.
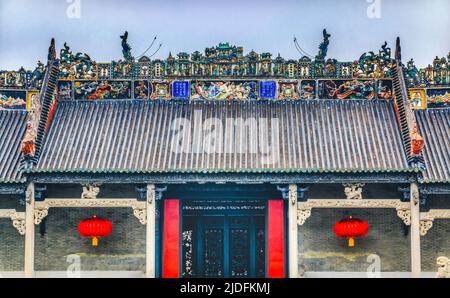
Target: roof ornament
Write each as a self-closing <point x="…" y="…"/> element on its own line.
<point x="149" y="47"/>
<point x="300" y="50"/>
<point x="398" y="50"/>
<point x="52" y="51"/>
<point x="417" y="142"/>
<point x="126" y="48"/>
<point x="323" y="47"/>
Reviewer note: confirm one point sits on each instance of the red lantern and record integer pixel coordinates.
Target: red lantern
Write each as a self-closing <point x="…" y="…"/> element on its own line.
<point x="95" y="227"/>
<point x="351" y="228"/>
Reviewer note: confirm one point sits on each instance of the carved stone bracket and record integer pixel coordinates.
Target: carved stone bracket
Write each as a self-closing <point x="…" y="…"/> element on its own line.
<point x="41" y="208"/>
<point x="40" y="214"/>
<point x="303" y="215"/>
<point x="425" y="225"/>
<point x="427" y="219"/>
<point x="19" y="223"/>
<point x="141" y="214"/>
<point x="304" y="208"/>
<point x="405" y="215"/>
<point x="17" y="218"/>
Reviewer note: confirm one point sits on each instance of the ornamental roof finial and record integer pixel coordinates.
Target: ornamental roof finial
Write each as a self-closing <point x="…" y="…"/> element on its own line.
<point x="52" y="51"/>
<point x="398" y="50"/>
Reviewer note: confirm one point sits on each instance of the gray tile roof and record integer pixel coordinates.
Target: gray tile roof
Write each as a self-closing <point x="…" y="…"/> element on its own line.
<point x="285" y="136"/>
<point x="434" y="126"/>
<point x="12" y="130"/>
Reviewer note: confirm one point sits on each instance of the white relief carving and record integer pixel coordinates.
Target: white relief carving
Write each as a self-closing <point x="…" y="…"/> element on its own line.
<point x="7" y="213"/>
<point x="90" y="192"/>
<point x="39" y="215"/>
<point x="443" y="264"/>
<point x="435" y="214"/>
<point x="82" y="203"/>
<point x="427" y="218"/>
<point x="28" y="196"/>
<point x="141" y="214"/>
<point x="150" y="193"/>
<point x="19" y="224"/>
<point x="425" y="225"/>
<point x="17" y="218"/>
<point x="333" y="203"/>
<point x="293" y="193"/>
<point x="303" y="215"/>
<point x="405" y="215"/>
<point x="353" y="191"/>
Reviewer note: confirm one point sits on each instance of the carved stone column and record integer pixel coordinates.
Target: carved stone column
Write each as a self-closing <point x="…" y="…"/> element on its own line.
<point x="415" y="231"/>
<point x="150" y="264"/>
<point x="293" y="232"/>
<point x="29" y="227"/>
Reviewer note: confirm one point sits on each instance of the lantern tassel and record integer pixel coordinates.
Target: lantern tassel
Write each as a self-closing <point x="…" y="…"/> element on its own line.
<point x="351" y="242"/>
<point x="94" y="241"/>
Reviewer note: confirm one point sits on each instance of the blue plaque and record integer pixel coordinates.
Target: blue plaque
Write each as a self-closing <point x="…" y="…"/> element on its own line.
<point x="267" y="89"/>
<point x="180" y="89"/>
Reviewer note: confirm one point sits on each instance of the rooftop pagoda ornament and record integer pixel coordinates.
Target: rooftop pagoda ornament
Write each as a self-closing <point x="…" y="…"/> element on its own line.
<point x="126" y="48"/>
<point x="323" y="47"/>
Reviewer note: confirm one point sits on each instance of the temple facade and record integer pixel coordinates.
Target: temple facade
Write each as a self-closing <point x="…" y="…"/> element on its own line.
<point x="225" y="164"/>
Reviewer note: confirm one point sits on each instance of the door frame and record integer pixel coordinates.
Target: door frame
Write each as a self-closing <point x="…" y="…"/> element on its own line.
<point x="227" y="215"/>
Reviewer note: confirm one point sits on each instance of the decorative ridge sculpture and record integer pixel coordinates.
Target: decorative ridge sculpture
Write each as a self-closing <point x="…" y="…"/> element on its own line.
<point x="323" y="47"/>
<point x="126" y="48"/>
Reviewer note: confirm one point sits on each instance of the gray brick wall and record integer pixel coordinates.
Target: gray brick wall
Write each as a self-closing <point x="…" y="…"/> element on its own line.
<point x="124" y="249"/>
<point x="321" y="250"/>
<point x="435" y="243"/>
<point x="12" y="247"/>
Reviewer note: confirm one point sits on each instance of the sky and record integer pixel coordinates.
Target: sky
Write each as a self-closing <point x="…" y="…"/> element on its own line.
<point x="94" y="27"/>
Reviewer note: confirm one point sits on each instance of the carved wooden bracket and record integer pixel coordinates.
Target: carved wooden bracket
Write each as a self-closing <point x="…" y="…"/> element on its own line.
<point x="304" y="208"/>
<point x="17" y="218"/>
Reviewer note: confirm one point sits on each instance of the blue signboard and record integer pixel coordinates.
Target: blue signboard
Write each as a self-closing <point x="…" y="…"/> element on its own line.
<point x="267" y="89"/>
<point x="180" y="89"/>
